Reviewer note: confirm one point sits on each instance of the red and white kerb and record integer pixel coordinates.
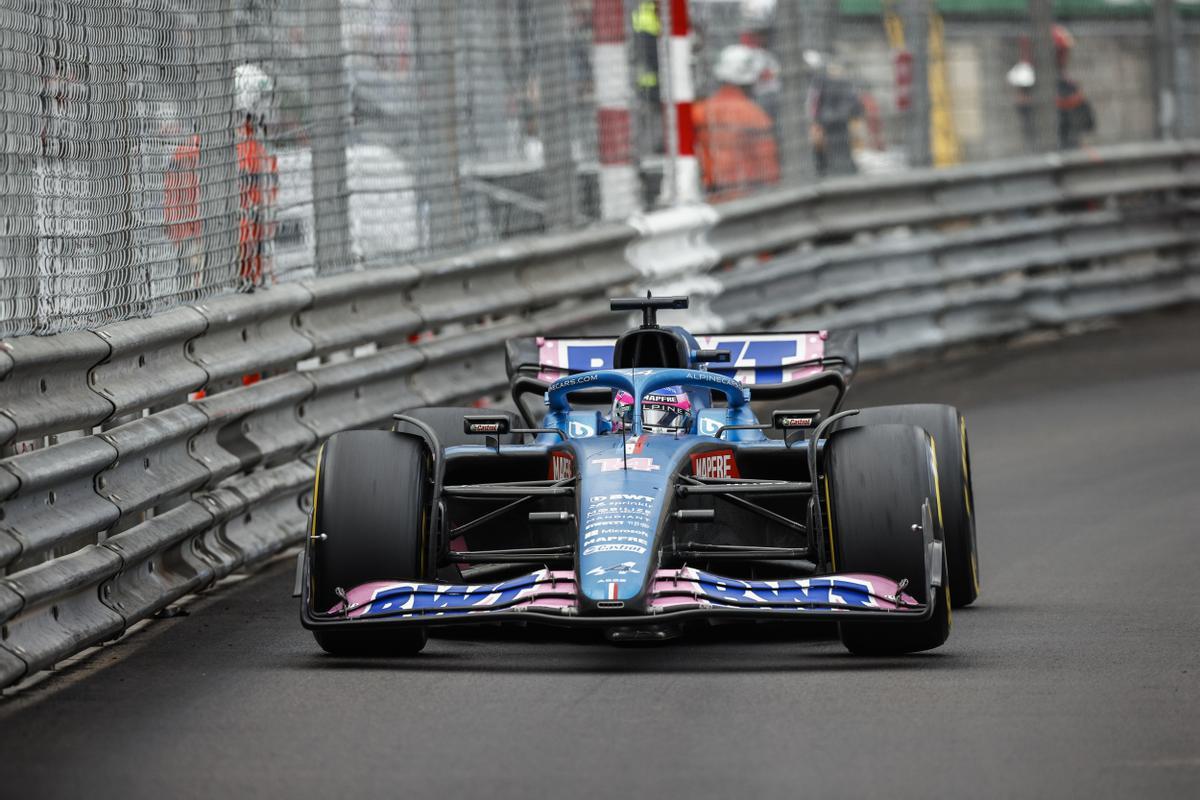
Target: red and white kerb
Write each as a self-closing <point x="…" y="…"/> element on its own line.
<point x="679" y="94"/>
<point x="618" y="180"/>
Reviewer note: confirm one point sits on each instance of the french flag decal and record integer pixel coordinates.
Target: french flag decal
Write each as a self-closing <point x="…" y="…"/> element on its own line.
<point x="612" y="591"/>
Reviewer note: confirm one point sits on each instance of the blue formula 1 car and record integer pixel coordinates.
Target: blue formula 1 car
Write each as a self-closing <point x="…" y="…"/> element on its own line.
<point x="646" y="495"/>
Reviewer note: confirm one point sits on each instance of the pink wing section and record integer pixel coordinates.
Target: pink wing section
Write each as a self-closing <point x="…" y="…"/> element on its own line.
<point x="747" y="367"/>
<point x="756" y="358"/>
<point x="556" y="592"/>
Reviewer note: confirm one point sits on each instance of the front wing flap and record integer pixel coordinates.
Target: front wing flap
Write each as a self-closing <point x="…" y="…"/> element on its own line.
<point x="551" y="596"/>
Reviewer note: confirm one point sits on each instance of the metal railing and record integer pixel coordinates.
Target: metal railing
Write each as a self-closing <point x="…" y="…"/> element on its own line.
<point x="120" y="494"/>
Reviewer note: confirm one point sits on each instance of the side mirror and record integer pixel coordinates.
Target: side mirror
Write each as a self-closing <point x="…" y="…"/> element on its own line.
<point x="485" y="425"/>
<point x="796" y="420"/>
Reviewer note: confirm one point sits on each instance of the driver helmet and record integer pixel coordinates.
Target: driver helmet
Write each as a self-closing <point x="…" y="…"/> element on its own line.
<point x="668" y="410"/>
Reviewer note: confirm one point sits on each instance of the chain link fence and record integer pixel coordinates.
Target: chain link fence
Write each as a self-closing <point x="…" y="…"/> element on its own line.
<point x="159" y="152"/>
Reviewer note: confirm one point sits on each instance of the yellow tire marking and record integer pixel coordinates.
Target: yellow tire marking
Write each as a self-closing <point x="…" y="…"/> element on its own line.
<point x="829" y="511"/>
<point x="312" y="520"/>
<point x="937" y="483"/>
<point x="949" y="605"/>
<point x="962" y="447"/>
<point x="937" y="491"/>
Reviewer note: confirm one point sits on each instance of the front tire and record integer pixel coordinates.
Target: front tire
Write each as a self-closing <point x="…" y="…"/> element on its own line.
<point x="949" y="432"/>
<point x="880" y="477"/>
<point x="371" y="502"/>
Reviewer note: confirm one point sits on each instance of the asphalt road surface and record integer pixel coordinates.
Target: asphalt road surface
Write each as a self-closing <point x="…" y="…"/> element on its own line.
<point x="1076" y="674"/>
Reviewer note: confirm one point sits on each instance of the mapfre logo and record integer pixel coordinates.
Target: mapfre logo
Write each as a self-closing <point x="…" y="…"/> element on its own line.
<point x="714" y="464"/>
<point x="562" y="466"/>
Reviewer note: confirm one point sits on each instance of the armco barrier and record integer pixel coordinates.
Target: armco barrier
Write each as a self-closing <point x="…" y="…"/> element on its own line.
<point x="134" y="496"/>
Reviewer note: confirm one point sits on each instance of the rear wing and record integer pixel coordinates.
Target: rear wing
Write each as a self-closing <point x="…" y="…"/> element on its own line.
<point x="775" y="365"/>
<point x="756" y="359"/>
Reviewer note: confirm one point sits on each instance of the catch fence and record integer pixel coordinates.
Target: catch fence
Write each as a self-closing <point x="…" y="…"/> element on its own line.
<point x="155" y="154"/>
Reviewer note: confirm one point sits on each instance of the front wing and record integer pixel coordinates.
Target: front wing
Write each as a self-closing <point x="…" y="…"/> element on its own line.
<point x="552" y="596"/>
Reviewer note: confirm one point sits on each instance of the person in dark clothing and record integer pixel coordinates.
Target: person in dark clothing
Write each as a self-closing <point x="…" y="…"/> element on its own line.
<point x="1076" y="117"/>
<point x="834" y="107"/>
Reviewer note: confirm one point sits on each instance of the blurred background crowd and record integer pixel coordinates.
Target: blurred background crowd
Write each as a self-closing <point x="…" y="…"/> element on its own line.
<point x="158" y="152"/>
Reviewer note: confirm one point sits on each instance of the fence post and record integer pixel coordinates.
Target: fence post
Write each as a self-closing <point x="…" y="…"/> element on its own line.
<point x="793" y="27"/>
<point x="619" y="185"/>
<point x="329" y="95"/>
<point x="554" y="123"/>
<point x="1045" y="71"/>
<point x="818" y="23"/>
<point x="1166" y="73"/>
<point x="678" y="98"/>
<point x="915" y="14"/>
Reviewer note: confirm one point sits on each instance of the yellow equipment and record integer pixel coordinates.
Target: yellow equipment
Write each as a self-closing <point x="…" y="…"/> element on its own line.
<point x="944" y="144"/>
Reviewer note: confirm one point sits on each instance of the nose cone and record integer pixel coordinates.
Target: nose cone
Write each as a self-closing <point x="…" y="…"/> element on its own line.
<point x="623" y="500"/>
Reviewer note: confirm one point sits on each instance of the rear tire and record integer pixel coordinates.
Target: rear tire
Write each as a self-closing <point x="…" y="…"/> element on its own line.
<point x="372" y="502"/>
<point x="949" y="432"/>
<point x="879" y="478"/>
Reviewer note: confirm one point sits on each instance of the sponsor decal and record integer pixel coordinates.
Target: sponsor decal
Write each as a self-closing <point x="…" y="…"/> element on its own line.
<point x="600" y="499"/>
<point x="578" y="430"/>
<point x="624" y="568"/>
<point x="669" y="399"/>
<point x="573" y="381"/>
<point x="794" y="419"/>
<point x="638" y="463"/>
<point x="715" y="464"/>
<point x="761" y="358"/>
<point x="591" y="541"/>
<point x="574" y="355"/>
<point x="481" y="424"/>
<point x="839" y="591"/>
<point x="618" y="523"/>
<point x="615" y="548"/>
<point x="767" y="358"/>
<point x="562" y="465"/>
<point x="709" y="426"/>
<point x="405" y="596"/>
<point x="713" y="377"/>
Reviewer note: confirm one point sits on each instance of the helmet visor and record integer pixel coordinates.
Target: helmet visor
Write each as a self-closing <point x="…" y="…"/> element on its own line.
<point x="665" y="417"/>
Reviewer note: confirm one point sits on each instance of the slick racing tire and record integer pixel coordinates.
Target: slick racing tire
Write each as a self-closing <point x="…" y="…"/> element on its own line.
<point x="879" y="478"/>
<point x="372" y="504"/>
<point x="949" y="432"/>
<point x="447" y="423"/>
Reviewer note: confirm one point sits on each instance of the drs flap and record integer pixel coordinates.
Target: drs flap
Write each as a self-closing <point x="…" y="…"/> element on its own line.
<point x="755" y="359"/>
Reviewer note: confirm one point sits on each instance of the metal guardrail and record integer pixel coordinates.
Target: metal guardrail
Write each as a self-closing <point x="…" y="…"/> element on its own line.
<point x="139" y="496"/>
<point x="933" y="259"/>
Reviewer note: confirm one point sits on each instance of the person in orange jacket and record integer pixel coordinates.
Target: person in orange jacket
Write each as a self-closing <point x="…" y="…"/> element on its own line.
<point x="181" y="209"/>
<point x="735" y="137"/>
<point x="257" y="176"/>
